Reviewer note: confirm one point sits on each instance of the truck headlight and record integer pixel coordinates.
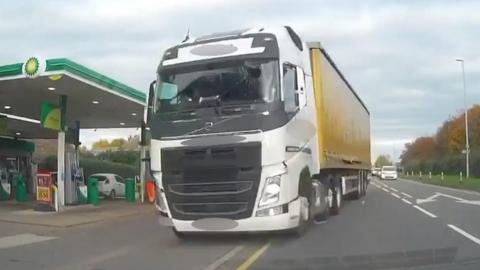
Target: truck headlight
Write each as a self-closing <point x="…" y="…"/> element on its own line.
<point x="272" y="211"/>
<point x="271" y="191"/>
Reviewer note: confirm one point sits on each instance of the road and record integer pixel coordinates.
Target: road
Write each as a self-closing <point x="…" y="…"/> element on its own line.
<point x="399" y="224"/>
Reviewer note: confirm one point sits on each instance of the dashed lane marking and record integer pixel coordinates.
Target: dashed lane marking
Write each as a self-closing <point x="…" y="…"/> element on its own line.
<point x="406" y="195"/>
<point x="425" y="211"/>
<point x="394" y="189"/>
<point x="395" y="195"/>
<point x="406" y="201"/>
<point x="464" y="233"/>
<point x="386" y="190"/>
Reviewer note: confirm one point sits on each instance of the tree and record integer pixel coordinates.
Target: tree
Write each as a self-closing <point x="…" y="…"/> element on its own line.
<point x="132" y="143"/>
<point x="383" y="160"/>
<point x="101" y="144"/>
<point x="118" y="143"/>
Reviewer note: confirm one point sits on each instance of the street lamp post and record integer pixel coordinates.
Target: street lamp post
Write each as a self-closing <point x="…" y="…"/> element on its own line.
<point x="467" y="145"/>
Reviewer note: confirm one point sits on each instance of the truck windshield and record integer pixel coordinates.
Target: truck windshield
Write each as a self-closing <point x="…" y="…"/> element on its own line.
<point x="222" y="83"/>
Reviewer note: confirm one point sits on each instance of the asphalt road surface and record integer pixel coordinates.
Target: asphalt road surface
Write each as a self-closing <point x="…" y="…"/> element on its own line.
<point x="398" y="225"/>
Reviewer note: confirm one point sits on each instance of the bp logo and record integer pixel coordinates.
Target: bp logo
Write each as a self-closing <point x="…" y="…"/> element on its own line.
<point x="32" y="67"/>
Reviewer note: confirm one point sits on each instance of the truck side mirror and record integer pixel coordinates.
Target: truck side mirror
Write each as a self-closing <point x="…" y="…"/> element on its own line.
<point x="150" y="102"/>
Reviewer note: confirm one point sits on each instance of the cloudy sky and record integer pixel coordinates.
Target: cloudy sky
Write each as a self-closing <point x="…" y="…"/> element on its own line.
<point x="398" y="55"/>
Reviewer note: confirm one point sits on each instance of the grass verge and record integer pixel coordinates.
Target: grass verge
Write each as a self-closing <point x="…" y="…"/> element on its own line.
<point x="452" y="181"/>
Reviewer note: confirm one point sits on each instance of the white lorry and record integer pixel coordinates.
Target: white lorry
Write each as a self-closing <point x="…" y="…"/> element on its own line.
<point x="254" y="130"/>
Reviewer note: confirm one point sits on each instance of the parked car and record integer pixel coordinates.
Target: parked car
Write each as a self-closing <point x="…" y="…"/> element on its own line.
<point x="389" y="172"/>
<point x="110" y="185"/>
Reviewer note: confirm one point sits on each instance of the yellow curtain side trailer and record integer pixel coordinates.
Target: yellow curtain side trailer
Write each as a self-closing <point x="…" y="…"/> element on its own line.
<point x="343" y="119"/>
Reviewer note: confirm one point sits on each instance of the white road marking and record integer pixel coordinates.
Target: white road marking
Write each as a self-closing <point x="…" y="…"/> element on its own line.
<point x="22" y="239"/>
<point x="216" y="264"/>
<point x="394" y="189"/>
<point x="386" y="190"/>
<point x="406" y="201"/>
<point x="406" y="195"/>
<point x="438" y="194"/>
<point x="464" y="233"/>
<point x="395" y="195"/>
<point x="425" y="211"/>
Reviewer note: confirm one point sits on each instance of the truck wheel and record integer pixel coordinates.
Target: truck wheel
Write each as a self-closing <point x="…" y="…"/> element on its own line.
<point x="306" y="198"/>
<point x="358" y="193"/>
<point x="365" y="184"/>
<point x="336" y="199"/>
<point x="304" y="218"/>
<point x="326" y="212"/>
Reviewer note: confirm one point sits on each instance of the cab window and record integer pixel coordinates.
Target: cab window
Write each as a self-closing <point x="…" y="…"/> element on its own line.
<point x="289" y="89"/>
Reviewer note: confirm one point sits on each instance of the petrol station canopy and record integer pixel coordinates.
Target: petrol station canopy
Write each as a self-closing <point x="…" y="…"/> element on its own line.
<point x="93" y="100"/>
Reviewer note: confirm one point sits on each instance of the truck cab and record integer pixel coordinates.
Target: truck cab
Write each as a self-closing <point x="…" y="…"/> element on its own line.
<point x="234" y="144"/>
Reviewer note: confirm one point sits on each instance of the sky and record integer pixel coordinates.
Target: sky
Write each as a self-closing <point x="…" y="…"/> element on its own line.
<point x="398" y="55"/>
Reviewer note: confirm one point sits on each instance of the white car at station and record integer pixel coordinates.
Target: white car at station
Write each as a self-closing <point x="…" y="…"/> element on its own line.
<point x="110" y="185"/>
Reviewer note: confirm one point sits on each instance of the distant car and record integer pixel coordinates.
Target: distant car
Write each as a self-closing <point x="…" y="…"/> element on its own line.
<point x="389" y="172"/>
<point x="376" y="172"/>
<point x="110" y="185"/>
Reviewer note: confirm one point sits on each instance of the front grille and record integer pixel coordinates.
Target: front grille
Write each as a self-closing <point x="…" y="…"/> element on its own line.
<point x="211" y="181"/>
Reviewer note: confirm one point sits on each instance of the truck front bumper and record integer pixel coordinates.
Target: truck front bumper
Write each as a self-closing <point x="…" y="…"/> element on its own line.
<point x="279" y="222"/>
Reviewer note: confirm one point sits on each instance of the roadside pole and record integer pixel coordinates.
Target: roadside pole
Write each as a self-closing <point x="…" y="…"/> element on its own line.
<point x="142" y="172"/>
<point x="61" y="154"/>
<point x="143" y="160"/>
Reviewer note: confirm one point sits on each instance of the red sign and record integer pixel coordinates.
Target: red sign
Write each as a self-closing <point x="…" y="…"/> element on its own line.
<point x="44" y="188"/>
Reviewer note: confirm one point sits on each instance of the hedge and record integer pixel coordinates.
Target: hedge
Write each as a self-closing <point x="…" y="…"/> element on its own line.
<point x="92" y="165"/>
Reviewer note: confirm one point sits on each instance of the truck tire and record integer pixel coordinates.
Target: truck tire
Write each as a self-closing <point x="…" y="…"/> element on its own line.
<point x="365" y="184"/>
<point x="359" y="192"/>
<point x="326" y="212"/>
<point x="306" y="199"/>
<point x="336" y="188"/>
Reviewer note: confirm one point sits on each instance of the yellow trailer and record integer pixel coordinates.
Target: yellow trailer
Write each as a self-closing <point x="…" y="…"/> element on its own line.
<point x="343" y="120"/>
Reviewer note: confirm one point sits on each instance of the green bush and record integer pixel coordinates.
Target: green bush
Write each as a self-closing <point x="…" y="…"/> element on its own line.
<point x="92" y="165"/>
